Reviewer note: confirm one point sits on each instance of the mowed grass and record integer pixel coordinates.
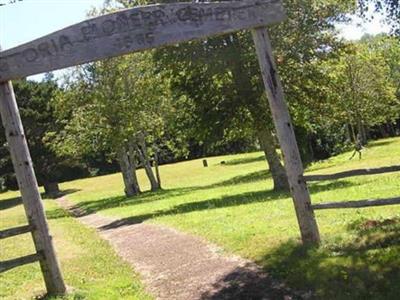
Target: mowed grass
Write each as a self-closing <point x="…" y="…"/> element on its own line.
<point x="233" y="205"/>
<point x="89" y="264"/>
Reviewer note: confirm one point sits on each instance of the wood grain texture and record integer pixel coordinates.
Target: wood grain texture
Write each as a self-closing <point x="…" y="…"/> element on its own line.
<point x="351" y="173"/>
<point x="15" y="231"/>
<point x="358" y="204"/>
<point x="20" y="261"/>
<point x="287" y="140"/>
<point x="28" y="187"/>
<point x="133" y="30"/>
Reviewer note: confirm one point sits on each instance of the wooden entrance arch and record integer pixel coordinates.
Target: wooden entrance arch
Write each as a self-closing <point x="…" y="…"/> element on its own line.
<point x="127" y="31"/>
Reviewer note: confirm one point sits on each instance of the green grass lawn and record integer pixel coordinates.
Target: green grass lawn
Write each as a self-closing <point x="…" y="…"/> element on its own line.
<point x="233" y="206"/>
<point x="89" y="264"/>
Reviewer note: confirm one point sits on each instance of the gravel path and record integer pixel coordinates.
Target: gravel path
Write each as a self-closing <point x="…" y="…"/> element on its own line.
<point x="178" y="266"/>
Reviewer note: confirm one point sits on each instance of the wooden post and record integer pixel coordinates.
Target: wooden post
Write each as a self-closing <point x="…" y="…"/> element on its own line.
<point x="29" y="189"/>
<point x="280" y="113"/>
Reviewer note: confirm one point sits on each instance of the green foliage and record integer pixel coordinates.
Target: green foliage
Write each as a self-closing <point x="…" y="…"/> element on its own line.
<point x="107" y="103"/>
<point x="213" y="92"/>
<point x="218" y="82"/>
<point x="364" y="265"/>
<point x="362" y="85"/>
<point x="34" y="100"/>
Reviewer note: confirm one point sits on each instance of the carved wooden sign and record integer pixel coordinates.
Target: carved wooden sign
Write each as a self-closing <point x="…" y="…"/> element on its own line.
<point x="133" y="30"/>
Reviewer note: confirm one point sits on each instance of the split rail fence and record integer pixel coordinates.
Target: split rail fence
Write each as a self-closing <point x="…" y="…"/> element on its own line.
<point x="12" y="263"/>
<point x="354" y="203"/>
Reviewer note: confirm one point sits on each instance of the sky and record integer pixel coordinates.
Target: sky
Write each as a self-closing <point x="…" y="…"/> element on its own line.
<point x="30" y="19"/>
<point x="358" y="27"/>
<point x="27" y="20"/>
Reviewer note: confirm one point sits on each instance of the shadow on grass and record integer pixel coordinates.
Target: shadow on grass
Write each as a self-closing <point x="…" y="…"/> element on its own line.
<point x="72" y="294"/>
<point x="12" y="202"/>
<point x="58" y="213"/>
<point x="225" y="201"/>
<point x="241" y="179"/>
<point x="316" y="187"/>
<point x="248" y="283"/>
<point x="373" y="144"/>
<point x="365" y="266"/>
<point x="60" y="194"/>
<point x="94" y="206"/>
<point x="245" y="160"/>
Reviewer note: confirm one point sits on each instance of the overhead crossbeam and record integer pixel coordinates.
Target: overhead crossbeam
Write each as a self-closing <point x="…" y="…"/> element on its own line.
<point x="135" y="29"/>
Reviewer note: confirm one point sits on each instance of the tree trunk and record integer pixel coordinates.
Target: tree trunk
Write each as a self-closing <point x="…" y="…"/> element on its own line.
<point x="132" y="164"/>
<point x="245" y="88"/>
<point x="367" y="132"/>
<point x="51" y="189"/>
<point x="353" y="133"/>
<point x="383" y="132"/>
<point x="275" y="166"/>
<point x="348" y="133"/>
<point x="156" y="168"/>
<point x="310" y="148"/>
<point x="361" y="133"/>
<point x="141" y="150"/>
<point x="127" y="175"/>
<point x="149" y="172"/>
<point x="392" y="129"/>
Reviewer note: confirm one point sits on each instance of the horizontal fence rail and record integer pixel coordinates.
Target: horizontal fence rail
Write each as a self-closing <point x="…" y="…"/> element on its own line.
<point x="352" y="173"/>
<point x="16" y="262"/>
<point x="357" y="204"/>
<point x="15" y="231"/>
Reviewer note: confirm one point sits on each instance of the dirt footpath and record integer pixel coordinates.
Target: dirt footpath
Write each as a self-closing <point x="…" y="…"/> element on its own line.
<point x="178" y="266"/>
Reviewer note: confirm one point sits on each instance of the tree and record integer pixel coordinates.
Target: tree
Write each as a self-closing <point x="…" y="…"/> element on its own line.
<point x="364" y="88"/>
<point x="220" y="76"/>
<point x="114" y="105"/>
<point x="34" y="99"/>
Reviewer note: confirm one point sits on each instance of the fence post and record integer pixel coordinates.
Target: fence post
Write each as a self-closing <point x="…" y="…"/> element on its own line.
<point x="287" y="140"/>
<point x="29" y="189"/>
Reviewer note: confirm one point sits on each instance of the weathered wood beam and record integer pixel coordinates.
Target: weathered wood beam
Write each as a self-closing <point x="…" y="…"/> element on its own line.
<point x="15" y="231"/>
<point x="133" y="30"/>
<point x="16" y="262"/>
<point x="358" y="204"/>
<point x="28" y="187"/>
<point x="351" y="173"/>
<point x="287" y="140"/>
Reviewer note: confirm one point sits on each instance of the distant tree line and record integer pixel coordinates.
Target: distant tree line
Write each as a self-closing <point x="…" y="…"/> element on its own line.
<point x="206" y="98"/>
